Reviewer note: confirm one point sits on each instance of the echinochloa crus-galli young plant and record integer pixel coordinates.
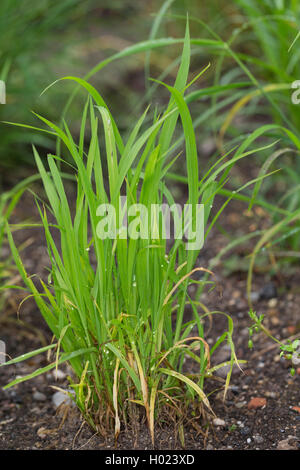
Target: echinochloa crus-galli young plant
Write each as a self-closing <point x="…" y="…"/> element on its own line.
<point x="116" y="299"/>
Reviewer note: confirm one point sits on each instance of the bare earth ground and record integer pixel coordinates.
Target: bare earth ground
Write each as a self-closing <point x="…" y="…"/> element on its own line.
<point x="28" y="420"/>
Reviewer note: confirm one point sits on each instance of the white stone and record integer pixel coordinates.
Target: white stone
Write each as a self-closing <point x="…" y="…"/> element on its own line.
<point x="296" y="358"/>
<point x="59" y="397"/>
<point x="59" y="374"/>
<point x="218" y="422"/>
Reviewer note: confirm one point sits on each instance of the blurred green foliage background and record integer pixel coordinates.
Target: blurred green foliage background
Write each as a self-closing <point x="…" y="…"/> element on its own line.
<point x="42" y="40"/>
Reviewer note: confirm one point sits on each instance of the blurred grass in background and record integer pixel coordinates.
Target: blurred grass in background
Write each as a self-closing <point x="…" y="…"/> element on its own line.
<point x="42" y="40"/>
<point x="35" y="39"/>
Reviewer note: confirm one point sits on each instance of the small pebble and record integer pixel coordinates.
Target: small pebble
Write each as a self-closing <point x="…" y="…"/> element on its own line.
<point x="269" y="291"/>
<point x="258" y="439"/>
<point x="240" y="404"/>
<point x="271" y="394"/>
<point x="275" y="321"/>
<point x="291" y="329"/>
<point x="249" y="440"/>
<point x="254" y="296"/>
<point x="38" y="396"/>
<point x="234" y="389"/>
<point x="59" y="374"/>
<point x="59" y="397"/>
<point x="272" y="303"/>
<point x="15" y="397"/>
<point x="296" y="408"/>
<point x="256" y="402"/>
<point x="223" y="371"/>
<point x="244" y="332"/>
<point x="296" y="358"/>
<point x="41" y="432"/>
<point x="218" y="422"/>
<point x="287" y="444"/>
<point x="222" y="354"/>
<point x="245" y="430"/>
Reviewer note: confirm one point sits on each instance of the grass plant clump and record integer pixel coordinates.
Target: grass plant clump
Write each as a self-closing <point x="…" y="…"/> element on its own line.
<point x="116" y="305"/>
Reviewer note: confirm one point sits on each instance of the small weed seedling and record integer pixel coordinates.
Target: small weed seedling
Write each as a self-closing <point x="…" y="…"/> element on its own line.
<point x="289" y="350"/>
